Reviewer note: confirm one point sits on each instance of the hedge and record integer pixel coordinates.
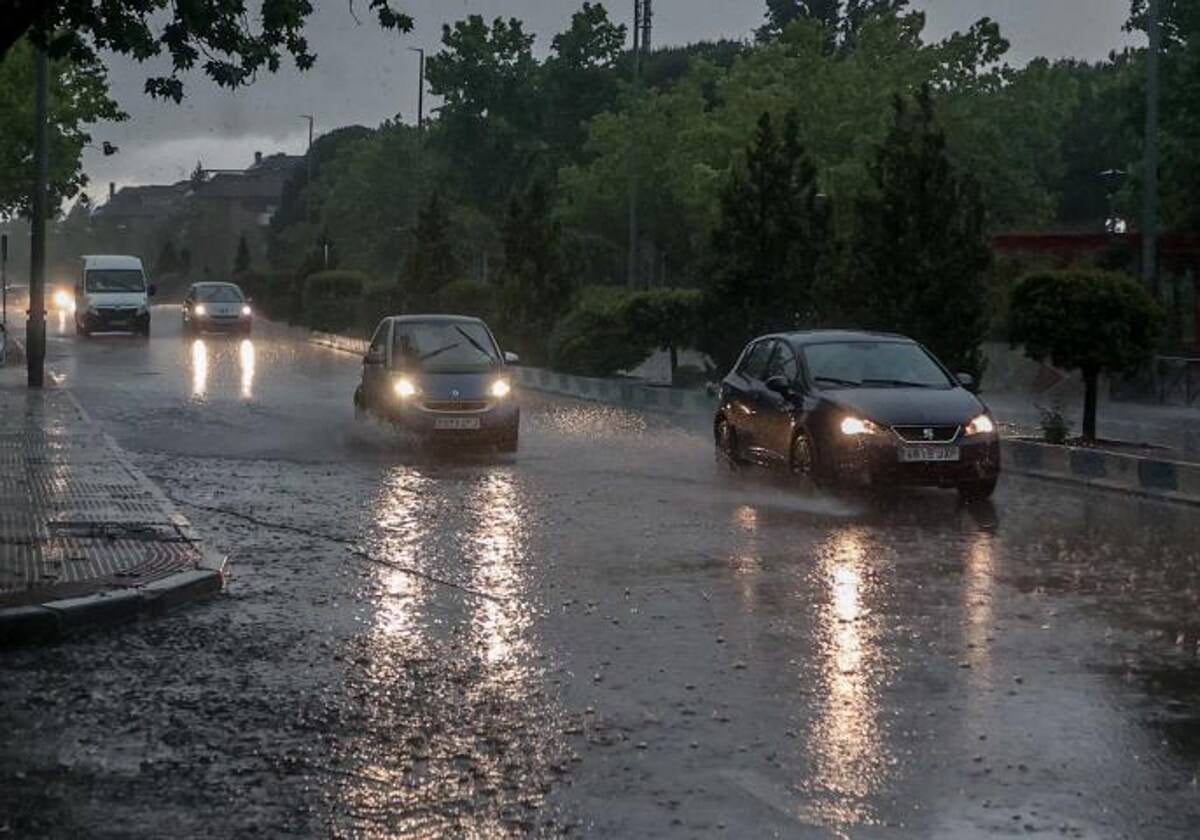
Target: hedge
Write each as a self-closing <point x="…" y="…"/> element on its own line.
<point x="330" y="300"/>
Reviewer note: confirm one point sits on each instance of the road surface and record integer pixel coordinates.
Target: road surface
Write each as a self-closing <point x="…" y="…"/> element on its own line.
<point x="607" y="635"/>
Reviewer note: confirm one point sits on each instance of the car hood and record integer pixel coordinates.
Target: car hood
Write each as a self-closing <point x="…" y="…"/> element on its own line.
<point x="116" y="298"/>
<point x="457" y="386"/>
<point x="909" y="406"/>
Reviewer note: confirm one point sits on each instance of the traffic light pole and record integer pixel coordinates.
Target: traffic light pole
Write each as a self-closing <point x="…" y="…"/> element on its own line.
<point x="35" y="326"/>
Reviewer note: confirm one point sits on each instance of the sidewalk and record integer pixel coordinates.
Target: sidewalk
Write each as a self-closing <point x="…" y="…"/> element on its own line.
<point x="85" y="537"/>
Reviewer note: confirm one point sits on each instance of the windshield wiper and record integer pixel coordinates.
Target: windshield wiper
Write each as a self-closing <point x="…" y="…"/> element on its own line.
<point x="474" y="343"/>
<point x="439" y="351"/>
<point x="833" y="380"/>
<point x="898" y="383"/>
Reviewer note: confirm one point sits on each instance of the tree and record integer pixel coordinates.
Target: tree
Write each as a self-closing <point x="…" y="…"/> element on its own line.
<point x="921" y="249"/>
<point x="241" y="261"/>
<point x="770" y="246"/>
<point x="168" y="260"/>
<point x="79" y="93"/>
<point x="229" y="43"/>
<point x="841" y="20"/>
<point x="534" y="286"/>
<point x="432" y="264"/>
<point x="668" y="319"/>
<point x="1092" y="321"/>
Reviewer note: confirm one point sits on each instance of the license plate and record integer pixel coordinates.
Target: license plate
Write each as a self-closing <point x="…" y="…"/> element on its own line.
<point x="927" y="454"/>
<point x="456" y="424"/>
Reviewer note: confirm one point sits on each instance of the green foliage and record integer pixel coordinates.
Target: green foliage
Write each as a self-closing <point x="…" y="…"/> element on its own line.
<point x="331" y="299"/>
<point x="231" y="46"/>
<point x="534" y="286"/>
<point x="468" y="297"/>
<point x="921" y="249"/>
<point x="79" y="93"/>
<point x="271" y="292"/>
<point x="168" y="260"/>
<point x="595" y="339"/>
<point x="432" y="264"/>
<point x="379" y="301"/>
<point x="1088" y="320"/>
<point x="771" y="246"/>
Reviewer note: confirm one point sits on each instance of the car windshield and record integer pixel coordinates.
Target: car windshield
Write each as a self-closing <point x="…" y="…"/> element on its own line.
<point x="115" y="280"/>
<point x="219" y="294"/>
<point x="450" y="346"/>
<point x="873" y="364"/>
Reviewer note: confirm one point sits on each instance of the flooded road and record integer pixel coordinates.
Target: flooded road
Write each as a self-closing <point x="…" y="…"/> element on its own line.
<point x="606" y="635"/>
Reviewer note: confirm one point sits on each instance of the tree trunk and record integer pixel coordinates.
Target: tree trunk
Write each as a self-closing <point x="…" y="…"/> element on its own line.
<point x="674" y="362"/>
<point x="1091" y="388"/>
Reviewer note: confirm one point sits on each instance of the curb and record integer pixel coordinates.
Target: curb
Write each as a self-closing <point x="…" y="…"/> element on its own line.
<point x="628" y="394"/>
<point x="53" y="620"/>
<point x="1155" y="478"/>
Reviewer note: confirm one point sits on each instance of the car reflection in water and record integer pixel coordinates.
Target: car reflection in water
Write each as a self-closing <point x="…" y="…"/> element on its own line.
<point x="217" y="360"/>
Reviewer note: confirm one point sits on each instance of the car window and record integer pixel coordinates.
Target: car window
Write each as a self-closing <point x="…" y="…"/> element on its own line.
<point x="444" y="346"/>
<point x="219" y="294"/>
<point x="379" y="340"/>
<point x="754" y="364"/>
<point x="873" y="364"/>
<point x="115" y="280"/>
<point x="783" y="363"/>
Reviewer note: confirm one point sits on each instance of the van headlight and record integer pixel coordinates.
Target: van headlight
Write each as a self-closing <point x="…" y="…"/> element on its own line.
<point x="405" y="388"/>
<point x="981" y="425"/>
<point x="501" y="389"/>
<point x="201" y="309"/>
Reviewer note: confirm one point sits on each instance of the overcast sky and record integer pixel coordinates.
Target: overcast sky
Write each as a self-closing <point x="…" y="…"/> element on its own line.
<point x="364" y="75"/>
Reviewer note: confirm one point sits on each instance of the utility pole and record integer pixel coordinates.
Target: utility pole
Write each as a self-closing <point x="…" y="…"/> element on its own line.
<point x="420" y="51"/>
<point x="647" y="24"/>
<point x="35" y="325"/>
<point x="308" y="158"/>
<point x="632" y="269"/>
<point x="1150" y="210"/>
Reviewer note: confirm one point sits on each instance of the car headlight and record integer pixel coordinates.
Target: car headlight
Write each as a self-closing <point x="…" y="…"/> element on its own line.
<point x="857" y="426"/>
<point x="63" y="301"/>
<point x="246" y="311"/>
<point x="501" y="389"/>
<point x="981" y="425"/>
<point x="405" y="388"/>
<point x="201" y="309"/>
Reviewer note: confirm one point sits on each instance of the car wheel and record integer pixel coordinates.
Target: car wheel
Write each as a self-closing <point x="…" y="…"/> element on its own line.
<point x="978" y="491"/>
<point x="82" y="331"/>
<point x="727" y="445"/>
<point x="805" y="461"/>
<point x="360" y="408"/>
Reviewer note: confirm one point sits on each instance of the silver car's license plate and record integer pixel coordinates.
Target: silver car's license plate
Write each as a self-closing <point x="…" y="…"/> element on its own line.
<point x="928" y="454"/>
<point x="456" y="424"/>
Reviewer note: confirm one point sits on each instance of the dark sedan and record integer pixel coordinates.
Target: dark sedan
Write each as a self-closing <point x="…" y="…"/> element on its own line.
<point x="857" y="408"/>
<point x="441" y="377"/>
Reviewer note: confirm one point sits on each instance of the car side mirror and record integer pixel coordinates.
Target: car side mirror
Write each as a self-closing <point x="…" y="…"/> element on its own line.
<point x="780" y="385"/>
<point x="151" y="290"/>
<point x="966" y="380"/>
<point x="511" y="358"/>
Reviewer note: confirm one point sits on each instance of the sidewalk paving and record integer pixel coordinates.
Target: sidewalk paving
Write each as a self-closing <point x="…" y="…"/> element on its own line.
<point x="85" y="537"/>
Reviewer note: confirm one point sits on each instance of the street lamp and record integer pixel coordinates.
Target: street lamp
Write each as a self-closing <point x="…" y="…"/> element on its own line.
<point x="420" y="87"/>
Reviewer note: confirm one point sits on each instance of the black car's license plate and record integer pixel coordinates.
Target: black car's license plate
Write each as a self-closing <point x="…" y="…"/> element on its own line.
<point x="929" y="454"/>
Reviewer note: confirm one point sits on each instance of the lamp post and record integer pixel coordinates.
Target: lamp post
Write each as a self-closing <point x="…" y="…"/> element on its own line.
<point x="35" y="324"/>
<point x="1150" y="210"/>
<point x="420" y="51"/>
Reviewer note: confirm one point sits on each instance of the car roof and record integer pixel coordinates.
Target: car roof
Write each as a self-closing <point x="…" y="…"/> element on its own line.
<point x="114" y="261"/>
<point x="806" y="337"/>
<point x="435" y="319"/>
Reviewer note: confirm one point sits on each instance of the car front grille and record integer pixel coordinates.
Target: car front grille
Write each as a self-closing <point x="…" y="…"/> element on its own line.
<point x="455" y="406"/>
<point x="927" y="434"/>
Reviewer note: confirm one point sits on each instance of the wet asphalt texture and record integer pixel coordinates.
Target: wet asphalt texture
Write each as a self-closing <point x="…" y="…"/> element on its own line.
<point x="607" y="635"/>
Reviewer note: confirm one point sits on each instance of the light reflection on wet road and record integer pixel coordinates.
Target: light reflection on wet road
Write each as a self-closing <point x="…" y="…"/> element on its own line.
<point x="666" y="650"/>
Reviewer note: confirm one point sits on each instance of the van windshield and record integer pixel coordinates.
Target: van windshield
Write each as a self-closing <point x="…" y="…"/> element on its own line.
<point x="115" y="280"/>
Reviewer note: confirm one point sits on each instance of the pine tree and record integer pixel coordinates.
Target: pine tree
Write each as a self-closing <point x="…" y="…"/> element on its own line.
<point x="771" y="245"/>
<point x="241" y="262"/>
<point x="432" y="264"/>
<point x="535" y="290"/>
<point x="921" y="248"/>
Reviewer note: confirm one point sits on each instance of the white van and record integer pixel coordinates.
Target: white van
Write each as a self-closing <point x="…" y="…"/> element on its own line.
<point x="112" y="295"/>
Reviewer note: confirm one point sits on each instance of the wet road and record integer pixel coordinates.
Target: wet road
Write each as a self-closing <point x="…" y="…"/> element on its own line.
<point x="604" y="636"/>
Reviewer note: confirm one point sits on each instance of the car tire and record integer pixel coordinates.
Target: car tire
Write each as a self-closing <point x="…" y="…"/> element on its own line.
<point x="979" y="490"/>
<point x="725" y="437"/>
<point x="144" y="332"/>
<point x="82" y="331"/>
<point x="360" y="408"/>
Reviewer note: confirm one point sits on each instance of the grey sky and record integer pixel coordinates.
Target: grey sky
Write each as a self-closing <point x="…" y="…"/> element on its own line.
<point x="364" y="75"/>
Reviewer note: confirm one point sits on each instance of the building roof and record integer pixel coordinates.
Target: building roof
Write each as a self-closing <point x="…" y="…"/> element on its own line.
<point x="143" y="202"/>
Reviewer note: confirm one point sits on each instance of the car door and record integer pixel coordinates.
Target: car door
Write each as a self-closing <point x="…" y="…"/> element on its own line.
<point x="375" y="369"/>
<point x="775" y="417"/>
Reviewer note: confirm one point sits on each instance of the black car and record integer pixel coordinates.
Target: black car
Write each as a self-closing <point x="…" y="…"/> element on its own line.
<point x="857" y="408"/>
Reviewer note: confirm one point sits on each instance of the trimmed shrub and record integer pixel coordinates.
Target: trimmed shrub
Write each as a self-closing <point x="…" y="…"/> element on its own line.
<point x="594" y="338"/>
<point x="330" y="300"/>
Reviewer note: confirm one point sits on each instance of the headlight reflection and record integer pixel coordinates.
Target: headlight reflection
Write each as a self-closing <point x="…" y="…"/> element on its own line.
<point x="199" y="369"/>
<point x="246" y="363"/>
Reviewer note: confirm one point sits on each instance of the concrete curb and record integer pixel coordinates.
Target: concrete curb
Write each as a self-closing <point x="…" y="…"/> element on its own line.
<point x="56" y="619"/>
<point x="1175" y="481"/>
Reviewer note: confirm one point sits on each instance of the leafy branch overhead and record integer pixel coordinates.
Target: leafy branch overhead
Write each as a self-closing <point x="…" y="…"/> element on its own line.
<point x="224" y="38"/>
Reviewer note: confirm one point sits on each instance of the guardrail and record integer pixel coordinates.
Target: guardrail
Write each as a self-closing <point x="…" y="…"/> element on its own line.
<point x="629" y="394"/>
